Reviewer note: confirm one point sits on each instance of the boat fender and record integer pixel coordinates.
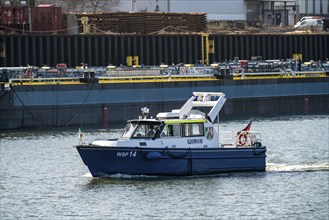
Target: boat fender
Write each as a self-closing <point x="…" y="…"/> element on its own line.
<point x="257" y="144"/>
<point x="178" y="156"/>
<point x="153" y="156"/>
<point x="259" y="151"/>
<point x="242" y="139"/>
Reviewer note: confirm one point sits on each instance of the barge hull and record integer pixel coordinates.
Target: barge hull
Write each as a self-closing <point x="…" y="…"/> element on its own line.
<point x="62" y="105"/>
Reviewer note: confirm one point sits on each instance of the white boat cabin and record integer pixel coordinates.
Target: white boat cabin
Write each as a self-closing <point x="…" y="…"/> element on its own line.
<point x="181" y="128"/>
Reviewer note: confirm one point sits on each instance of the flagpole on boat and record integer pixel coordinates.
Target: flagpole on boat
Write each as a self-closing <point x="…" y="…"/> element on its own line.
<point x="218" y="126"/>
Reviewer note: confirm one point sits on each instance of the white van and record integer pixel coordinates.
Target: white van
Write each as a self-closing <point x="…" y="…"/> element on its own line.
<point x="310" y="17"/>
<point x="309" y="23"/>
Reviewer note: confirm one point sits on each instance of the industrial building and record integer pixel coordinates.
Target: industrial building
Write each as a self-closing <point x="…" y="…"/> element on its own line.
<point x="254" y="12"/>
<point x="270" y="12"/>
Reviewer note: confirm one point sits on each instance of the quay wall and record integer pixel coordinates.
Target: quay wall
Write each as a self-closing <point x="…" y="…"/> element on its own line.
<point x="101" y="50"/>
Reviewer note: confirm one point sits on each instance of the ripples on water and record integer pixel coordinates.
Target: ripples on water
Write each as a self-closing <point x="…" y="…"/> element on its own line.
<point x="43" y="177"/>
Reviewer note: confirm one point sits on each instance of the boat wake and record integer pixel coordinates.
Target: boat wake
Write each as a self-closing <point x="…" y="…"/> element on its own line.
<point x="87" y="175"/>
<point x="273" y="167"/>
<point x="270" y="167"/>
<point x="119" y="176"/>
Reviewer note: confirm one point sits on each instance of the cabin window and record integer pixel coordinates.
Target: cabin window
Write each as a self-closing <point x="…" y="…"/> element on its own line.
<point x="145" y="130"/>
<point x="193" y="129"/>
<point x="129" y="130"/>
<point x="173" y="130"/>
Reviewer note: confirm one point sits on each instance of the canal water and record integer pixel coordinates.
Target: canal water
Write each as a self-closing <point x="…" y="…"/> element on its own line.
<point x="43" y="177"/>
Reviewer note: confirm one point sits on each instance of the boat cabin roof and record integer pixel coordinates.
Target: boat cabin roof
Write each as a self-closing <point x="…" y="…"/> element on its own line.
<point x="190" y="118"/>
<point x="167" y="121"/>
<point x="214" y="100"/>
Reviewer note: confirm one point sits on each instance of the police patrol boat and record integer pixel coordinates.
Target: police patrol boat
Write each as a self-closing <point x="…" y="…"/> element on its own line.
<point x="179" y="143"/>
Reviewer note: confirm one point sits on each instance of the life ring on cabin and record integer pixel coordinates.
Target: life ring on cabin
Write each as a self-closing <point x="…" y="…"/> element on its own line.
<point x="242" y="139"/>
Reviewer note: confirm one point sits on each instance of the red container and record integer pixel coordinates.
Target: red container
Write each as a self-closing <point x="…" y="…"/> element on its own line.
<point x="14" y="19"/>
<point x="14" y="15"/>
<point x="20" y="15"/>
<point x="46" y="19"/>
<point x="6" y="15"/>
<point x="243" y="63"/>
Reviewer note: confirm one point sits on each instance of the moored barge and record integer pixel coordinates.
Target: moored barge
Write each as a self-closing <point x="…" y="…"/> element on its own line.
<point x="62" y="102"/>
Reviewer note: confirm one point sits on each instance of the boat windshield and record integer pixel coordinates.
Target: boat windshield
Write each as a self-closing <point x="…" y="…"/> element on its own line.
<point x="129" y="130"/>
<point x="140" y="130"/>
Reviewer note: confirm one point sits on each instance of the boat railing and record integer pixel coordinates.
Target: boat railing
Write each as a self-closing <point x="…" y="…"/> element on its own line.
<point x="156" y="78"/>
<point x="287" y="73"/>
<point x="226" y="138"/>
<point x="161" y="71"/>
<point x="134" y="72"/>
<point x="106" y="79"/>
<point x="240" y="139"/>
<point x="247" y="139"/>
<point x="44" y="80"/>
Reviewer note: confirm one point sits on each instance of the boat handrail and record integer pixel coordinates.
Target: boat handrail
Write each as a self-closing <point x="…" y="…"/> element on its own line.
<point x="240" y="139"/>
<point x="283" y="74"/>
<point x="40" y="79"/>
<point x="216" y="100"/>
<point x="247" y="138"/>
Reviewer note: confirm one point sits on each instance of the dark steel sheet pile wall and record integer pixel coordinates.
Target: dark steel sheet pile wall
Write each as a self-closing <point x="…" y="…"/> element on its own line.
<point x="100" y="50"/>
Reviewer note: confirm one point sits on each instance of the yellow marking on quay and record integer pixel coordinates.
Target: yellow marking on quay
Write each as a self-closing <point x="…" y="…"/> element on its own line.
<point x="44" y="83"/>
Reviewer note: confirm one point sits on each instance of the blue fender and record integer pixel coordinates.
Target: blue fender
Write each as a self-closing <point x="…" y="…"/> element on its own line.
<point x="153" y="156"/>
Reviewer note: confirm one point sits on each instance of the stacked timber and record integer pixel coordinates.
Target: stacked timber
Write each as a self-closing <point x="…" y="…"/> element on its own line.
<point x="146" y="22"/>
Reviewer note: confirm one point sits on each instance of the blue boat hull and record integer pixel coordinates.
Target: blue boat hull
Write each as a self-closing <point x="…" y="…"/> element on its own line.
<point x="104" y="161"/>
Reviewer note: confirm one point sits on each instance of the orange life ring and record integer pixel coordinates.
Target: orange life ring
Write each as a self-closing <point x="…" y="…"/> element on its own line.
<point x="243" y="139"/>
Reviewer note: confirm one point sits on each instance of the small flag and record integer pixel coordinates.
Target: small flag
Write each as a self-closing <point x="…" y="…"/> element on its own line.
<point x="246" y="129"/>
<point x="248" y="126"/>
